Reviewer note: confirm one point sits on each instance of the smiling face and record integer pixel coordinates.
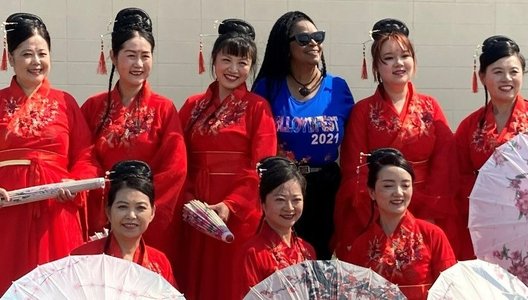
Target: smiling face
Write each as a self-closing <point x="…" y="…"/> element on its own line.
<point x="130" y="214"/>
<point x="231" y="71"/>
<point x="392" y="191"/>
<point x="133" y="62"/>
<point x="283" y="206"/>
<point x="396" y="65"/>
<point x="503" y="79"/>
<point x="31" y="62"/>
<point x="309" y="54"/>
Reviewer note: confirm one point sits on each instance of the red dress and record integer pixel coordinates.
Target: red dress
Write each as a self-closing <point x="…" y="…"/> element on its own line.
<point x="266" y="253"/>
<point x="225" y="139"/>
<point x="144" y="256"/>
<point x="412" y="256"/>
<point x="43" y="139"/>
<point x="422" y="134"/>
<point x="147" y="130"/>
<point x="474" y="147"/>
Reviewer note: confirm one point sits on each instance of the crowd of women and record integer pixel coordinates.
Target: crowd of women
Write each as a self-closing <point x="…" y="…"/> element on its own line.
<point x="396" y="202"/>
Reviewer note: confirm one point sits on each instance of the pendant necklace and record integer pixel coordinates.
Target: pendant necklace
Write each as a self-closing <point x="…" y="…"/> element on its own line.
<point x="304" y="90"/>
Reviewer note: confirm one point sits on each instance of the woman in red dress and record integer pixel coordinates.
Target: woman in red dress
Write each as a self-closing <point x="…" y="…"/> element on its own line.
<point x="227" y="131"/>
<point x="396" y="116"/>
<point x="405" y="250"/>
<point x="43" y="139"/>
<point x="130" y="209"/>
<point x="133" y="122"/>
<point x="282" y="188"/>
<point x="501" y="71"/>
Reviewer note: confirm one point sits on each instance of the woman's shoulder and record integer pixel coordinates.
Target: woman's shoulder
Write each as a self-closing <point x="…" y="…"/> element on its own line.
<point x="90" y="248"/>
<point x="156" y="255"/>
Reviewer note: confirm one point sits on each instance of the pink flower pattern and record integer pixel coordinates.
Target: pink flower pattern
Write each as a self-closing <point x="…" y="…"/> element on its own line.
<point x="399" y="252"/>
<point x="518" y="265"/>
<point x="127" y="124"/>
<point x="486" y="139"/>
<point x="419" y="119"/>
<point x="228" y="113"/>
<point x="28" y="118"/>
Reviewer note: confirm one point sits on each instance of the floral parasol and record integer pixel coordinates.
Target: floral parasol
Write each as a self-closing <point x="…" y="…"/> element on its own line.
<point x="498" y="208"/>
<point x="325" y="279"/>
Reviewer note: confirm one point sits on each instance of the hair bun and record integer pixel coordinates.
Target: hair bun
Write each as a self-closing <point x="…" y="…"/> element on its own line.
<point x="130" y="168"/>
<point x="132" y="18"/>
<point x="388" y="26"/>
<point x="23" y="19"/>
<point x="499" y="42"/>
<point x="380" y="153"/>
<point x="237" y="26"/>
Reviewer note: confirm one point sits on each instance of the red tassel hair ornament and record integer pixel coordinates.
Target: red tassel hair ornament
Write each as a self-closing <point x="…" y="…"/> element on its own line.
<point x="3" y="65"/>
<point x="101" y="67"/>
<point x="201" y="62"/>
<point x="474" y="82"/>
<point x="364" y="74"/>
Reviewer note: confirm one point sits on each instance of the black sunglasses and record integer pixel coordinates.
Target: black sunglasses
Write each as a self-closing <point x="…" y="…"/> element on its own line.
<point x="304" y="38"/>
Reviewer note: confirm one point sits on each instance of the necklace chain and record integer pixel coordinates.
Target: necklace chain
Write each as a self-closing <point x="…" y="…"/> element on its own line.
<point x="304" y="90"/>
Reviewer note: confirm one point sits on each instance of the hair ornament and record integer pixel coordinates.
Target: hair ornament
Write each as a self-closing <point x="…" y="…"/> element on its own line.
<point x="364" y="73"/>
<point x="388" y="26"/>
<point x="3" y="64"/>
<point x="101" y="66"/>
<point x="474" y="81"/>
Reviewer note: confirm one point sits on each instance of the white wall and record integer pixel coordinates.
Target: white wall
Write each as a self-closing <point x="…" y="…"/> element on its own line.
<point x="445" y="34"/>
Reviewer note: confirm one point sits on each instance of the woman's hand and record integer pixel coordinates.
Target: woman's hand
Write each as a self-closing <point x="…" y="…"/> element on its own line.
<point x="222" y="210"/>
<point x="65" y="194"/>
<point x="4" y="195"/>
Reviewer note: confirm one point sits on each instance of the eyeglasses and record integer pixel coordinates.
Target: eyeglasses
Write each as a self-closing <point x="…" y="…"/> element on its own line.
<point x="304" y="38"/>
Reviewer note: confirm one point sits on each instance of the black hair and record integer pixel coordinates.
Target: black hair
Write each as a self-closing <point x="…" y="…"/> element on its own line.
<point x="129" y="23"/>
<point x="133" y="174"/>
<point x="382" y="157"/>
<point x="376" y="161"/>
<point x="274" y="171"/>
<point x="276" y="63"/>
<point x="388" y="26"/>
<point x="22" y="26"/>
<point x="383" y="31"/>
<point x="236" y="38"/>
<point x="493" y="49"/>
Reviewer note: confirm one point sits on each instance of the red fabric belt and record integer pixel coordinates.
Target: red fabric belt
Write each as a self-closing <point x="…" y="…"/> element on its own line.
<point x="421" y="169"/>
<point x="20" y="154"/>
<point x="228" y="162"/>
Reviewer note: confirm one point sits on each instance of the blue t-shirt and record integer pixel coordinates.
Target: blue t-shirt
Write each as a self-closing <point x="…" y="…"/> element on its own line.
<point x="311" y="130"/>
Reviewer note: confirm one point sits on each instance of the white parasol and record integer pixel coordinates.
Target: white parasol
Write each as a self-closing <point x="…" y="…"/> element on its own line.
<point x="49" y="191"/>
<point x="498" y="208"/>
<point x="477" y="279"/>
<point x="91" y="277"/>
<point x="201" y="217"/>
<point x="325" y="279"/>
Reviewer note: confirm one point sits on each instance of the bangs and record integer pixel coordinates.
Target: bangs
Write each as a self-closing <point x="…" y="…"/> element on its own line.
<point x="238" y="47"/>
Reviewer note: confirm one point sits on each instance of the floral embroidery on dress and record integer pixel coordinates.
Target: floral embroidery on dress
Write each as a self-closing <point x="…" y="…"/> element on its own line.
<point x="418" y="121"/>
<point x="283" y="260"/>
<point x="228" y="113"/>
<point x="400" y="250"/>
<point x="127" y="124"/>
<point x="485" y="139"/>
<point x="31" y="117"/>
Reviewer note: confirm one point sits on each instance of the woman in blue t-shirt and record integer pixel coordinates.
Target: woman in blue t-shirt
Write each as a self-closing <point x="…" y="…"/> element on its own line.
<point x="311" y="108"/>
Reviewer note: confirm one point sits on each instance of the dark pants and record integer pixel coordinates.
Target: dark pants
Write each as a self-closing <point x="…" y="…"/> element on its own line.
<point x="316" y="225"/>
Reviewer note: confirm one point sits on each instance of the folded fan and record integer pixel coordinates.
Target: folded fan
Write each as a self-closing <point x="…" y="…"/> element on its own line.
<point x="201" y="217"/>
<point x="49" y="191"/>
